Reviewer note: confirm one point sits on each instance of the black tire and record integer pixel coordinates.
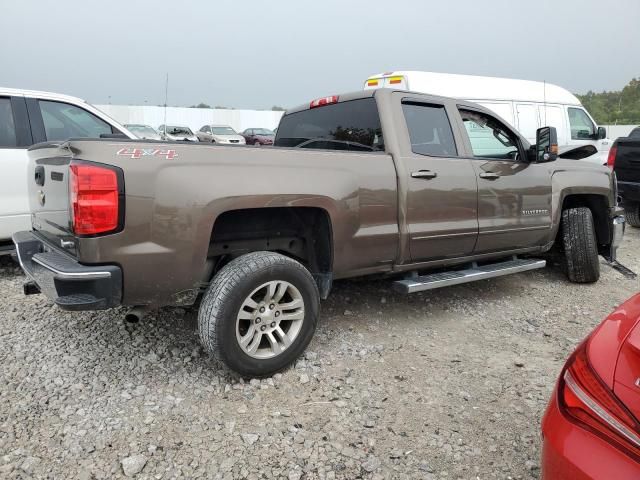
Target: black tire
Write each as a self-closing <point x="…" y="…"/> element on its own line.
<point x="632" y="214"/>
<point x="580" y="245"/>
<point x="224" y="298"/>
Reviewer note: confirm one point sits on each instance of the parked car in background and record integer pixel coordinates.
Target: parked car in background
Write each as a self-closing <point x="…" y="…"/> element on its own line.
<point x="176" y="133"/>
<point x="220" y="134"/>
<point x="143" y="131"/>
<point x="525" y="104"/>
<point x="635" y="133"/>
<point x="258" y="136"/>
<point x="259" y="234"/>
<point x="590" y="429"/>
<point x="28" y="117"/>
<point x="624" y="159"/>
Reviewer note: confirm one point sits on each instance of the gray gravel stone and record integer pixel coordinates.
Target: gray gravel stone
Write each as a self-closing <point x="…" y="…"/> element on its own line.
<point x="133" y="465"/>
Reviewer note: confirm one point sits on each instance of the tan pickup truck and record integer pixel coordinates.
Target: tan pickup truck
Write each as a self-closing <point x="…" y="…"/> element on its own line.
<point x="428" y="190"/>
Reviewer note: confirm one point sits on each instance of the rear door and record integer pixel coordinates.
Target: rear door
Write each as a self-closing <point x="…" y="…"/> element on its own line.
<point x="441" y="196"/>
<point x="514" y="196"/>
<point x="15" y="138"/>
<point x="527" y="120"/>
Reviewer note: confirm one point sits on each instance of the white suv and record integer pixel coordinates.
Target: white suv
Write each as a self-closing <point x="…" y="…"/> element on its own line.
<point x="26" y="118"/>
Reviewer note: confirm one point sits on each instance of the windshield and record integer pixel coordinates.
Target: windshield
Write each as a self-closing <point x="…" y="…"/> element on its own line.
<point x="223" y="131"/>
<point x="172" y="130"/>
<point x="264" y="132"/>
<point x="352" y="125"/>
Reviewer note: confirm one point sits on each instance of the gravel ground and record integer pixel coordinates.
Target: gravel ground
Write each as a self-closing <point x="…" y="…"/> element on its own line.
<point x="446" y="384"/>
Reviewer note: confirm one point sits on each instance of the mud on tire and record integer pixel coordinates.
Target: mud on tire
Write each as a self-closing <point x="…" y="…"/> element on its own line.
<point x="580" y="245"/>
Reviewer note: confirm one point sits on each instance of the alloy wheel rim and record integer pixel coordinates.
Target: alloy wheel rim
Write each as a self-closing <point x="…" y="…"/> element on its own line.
<point x="270" y="319"/>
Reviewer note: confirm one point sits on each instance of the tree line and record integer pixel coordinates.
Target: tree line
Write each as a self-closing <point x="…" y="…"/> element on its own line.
<point x="615" y="108"/>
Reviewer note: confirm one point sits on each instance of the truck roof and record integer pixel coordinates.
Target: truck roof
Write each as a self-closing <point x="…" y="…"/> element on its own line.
<point x="20" y="92"/>
<point x="475" y="87"/>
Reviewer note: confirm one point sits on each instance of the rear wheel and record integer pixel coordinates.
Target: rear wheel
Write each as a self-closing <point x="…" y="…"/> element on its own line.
<point x="259" y="313"/>
<point x="580" y="245"/>
<point x="632" y="214"/>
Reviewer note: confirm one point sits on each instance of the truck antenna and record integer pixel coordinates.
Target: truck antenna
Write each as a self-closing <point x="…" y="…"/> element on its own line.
<point x="544" y="100"/>
<point x="166" y="96"/>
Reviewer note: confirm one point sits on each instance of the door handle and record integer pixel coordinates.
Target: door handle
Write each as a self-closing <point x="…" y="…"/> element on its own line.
<point x="489" y="175"/>
<point x="426" y="174"/>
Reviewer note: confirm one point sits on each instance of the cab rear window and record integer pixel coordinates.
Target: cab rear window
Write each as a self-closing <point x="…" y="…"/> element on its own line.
<point x="349" y="126"/>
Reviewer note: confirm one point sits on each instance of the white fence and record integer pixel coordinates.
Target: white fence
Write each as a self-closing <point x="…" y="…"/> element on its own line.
<point x="615" y="131"/>
<point x="194" y="118"/>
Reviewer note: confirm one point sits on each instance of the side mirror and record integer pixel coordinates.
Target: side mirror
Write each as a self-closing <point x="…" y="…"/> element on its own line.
<point x="602" y="133"/>
<point x="546" y="144"/>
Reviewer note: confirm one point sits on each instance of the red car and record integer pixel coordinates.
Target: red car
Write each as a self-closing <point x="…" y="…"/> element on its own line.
<point x="258" y="136"/>
<point x="590" y="429"/>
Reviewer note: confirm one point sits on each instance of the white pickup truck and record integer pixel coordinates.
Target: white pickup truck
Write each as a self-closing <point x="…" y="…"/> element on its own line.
<point x="28" y="117"/>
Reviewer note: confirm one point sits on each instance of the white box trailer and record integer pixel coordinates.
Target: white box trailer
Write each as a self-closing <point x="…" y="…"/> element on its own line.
<point x="527" y="105"/>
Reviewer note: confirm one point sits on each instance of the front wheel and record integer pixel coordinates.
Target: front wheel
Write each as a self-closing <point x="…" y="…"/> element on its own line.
<point x="580" y="245"/>
<point x="259" y="313"/>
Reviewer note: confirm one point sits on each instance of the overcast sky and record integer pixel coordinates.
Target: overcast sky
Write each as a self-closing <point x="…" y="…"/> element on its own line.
<point x="256" y="54"/>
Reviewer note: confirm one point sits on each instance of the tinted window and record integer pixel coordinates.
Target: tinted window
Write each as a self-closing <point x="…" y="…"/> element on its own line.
<point x="429" y="129"/>
<point x="489" y="138"/>
<point x="63" y="121"/>
<point x="7" y="127"/>
<point x="352" y="125"/>
<point x="582" y="128"/>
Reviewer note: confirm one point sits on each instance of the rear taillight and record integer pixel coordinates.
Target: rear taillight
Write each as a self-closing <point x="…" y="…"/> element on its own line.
<point x="611" y="159"/>
<point x="95" y="201"/>
<point x="586" y="399"/>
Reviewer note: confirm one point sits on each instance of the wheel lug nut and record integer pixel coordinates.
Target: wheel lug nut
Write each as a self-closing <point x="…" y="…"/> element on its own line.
<point x="271" y="306"/>
<point x="277" y="314"/>
<point x="263" y="328"/>
<point x="261" y="309"/>
<point x="273" y="324"/>
<point x="258" y="320"/>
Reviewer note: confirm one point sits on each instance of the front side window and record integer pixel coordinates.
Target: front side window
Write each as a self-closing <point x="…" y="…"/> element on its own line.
<point x="429" y="129"/>
<point x="7" y="126"/>
<point x="489" y="138"/>
<point x="582" y="128"/>
<point x="349" y="126"/>
<point x="63" y="121"/>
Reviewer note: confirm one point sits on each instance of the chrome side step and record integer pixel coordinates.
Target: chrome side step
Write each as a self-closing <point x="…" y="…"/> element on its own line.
<point x="470" y="274"/>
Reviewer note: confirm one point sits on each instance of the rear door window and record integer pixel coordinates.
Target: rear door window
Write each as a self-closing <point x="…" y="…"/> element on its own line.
<point x="8" y="137"/>
<point x="349" y="126"/>
<point x="63" y="121"/>
<point x="429" y="129"/>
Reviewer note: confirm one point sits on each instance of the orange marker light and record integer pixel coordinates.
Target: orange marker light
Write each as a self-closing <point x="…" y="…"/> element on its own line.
<point x="372" y="83"/>
<point x="395" y="80"/>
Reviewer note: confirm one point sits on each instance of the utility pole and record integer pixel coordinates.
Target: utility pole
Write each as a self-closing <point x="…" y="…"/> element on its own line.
<point x="166" y="96"/>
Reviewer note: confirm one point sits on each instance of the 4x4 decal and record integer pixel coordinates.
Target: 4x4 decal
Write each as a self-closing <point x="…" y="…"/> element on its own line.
<point x="144" y="152"/>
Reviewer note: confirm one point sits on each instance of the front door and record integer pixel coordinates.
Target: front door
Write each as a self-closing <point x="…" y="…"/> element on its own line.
<point x="514" y="196"/>
<point x="441" y="190"/>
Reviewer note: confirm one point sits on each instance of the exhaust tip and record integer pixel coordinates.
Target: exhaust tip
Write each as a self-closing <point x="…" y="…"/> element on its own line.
<point x="135" y="314"/>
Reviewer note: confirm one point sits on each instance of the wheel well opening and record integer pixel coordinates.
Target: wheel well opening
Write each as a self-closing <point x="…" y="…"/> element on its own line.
<point x="302" y="233"/>
<point x="599" y="209"/>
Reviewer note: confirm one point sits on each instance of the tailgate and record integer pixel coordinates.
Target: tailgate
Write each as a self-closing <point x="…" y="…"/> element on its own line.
<point x="48" y="185"/>
<point x="627" y="166"/>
